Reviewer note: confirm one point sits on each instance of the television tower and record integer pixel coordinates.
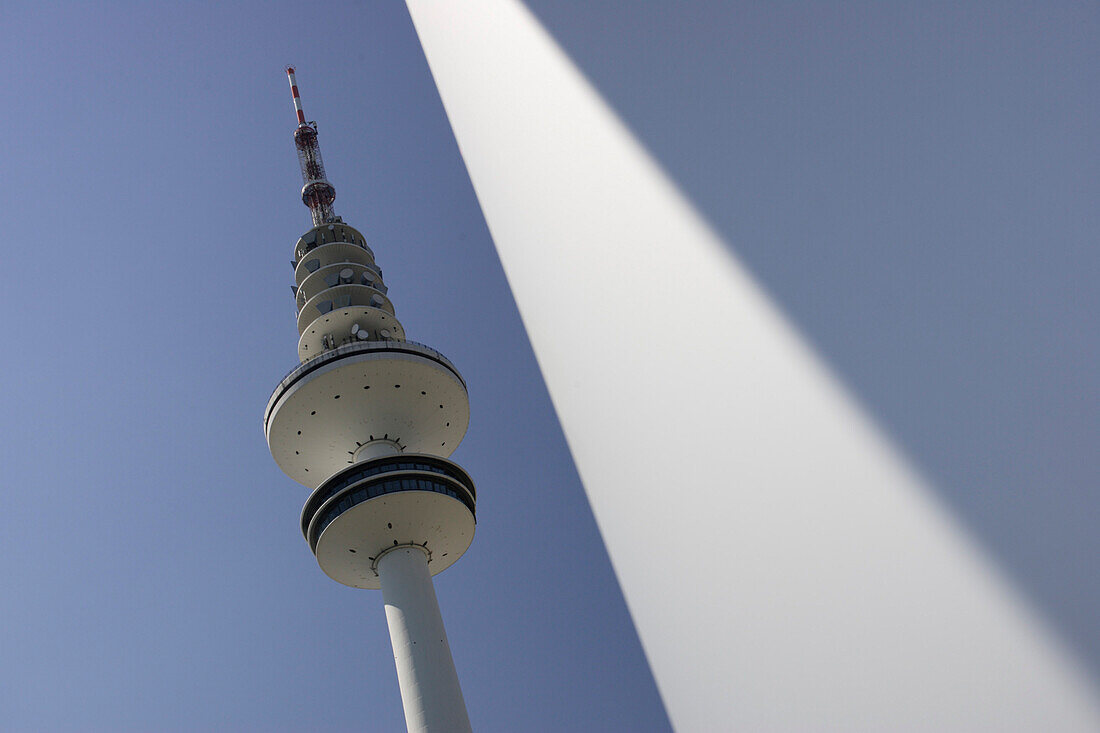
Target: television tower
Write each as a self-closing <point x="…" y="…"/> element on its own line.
<point x="367" y="421"/>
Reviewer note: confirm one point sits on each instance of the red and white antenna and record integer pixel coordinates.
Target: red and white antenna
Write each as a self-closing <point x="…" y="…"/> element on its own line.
<point x="317" y="193"/>
<point x="294" y="93"/>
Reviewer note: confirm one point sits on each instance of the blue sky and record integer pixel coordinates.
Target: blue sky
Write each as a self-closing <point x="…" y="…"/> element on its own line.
<point x="916" y="188"/>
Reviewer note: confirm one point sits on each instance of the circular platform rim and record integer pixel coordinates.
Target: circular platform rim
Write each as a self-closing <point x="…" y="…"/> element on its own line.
<point x="348" y="350"/>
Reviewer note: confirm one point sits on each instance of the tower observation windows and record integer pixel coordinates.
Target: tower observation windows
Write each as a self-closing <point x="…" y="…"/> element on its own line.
<point x="435" y="474"/>
<point x="375" y="489"/>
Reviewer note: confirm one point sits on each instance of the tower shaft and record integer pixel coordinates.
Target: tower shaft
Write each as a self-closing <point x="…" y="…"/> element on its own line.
<point x="430" y="692"/>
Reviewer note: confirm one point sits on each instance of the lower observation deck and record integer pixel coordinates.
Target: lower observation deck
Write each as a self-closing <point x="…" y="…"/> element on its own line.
<point x="399" y="500"/>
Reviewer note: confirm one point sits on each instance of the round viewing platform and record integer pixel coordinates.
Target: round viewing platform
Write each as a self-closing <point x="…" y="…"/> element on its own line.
<point x="328" y="407"/>
<point x="397" y="500"/>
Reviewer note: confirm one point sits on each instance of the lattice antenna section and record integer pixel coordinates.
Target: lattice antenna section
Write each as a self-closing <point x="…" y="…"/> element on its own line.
<point x="317" y="193"/>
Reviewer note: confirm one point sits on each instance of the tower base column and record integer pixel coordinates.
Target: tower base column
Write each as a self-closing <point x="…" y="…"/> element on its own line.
<point x="430" y="692"/>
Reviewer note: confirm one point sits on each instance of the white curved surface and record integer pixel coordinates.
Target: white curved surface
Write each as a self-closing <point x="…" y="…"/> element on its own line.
<point x="331" y="253"/>
<point x="785" y="568"/>
<point x="320" y="421"/>
<point x="405" y="517"/>
<point x="348" y="271"/>
<point x="338" y="323"/>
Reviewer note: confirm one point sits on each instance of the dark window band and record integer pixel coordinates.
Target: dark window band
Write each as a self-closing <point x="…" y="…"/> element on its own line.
<point x="375" y="489"/>
<point x="389" y="464"/>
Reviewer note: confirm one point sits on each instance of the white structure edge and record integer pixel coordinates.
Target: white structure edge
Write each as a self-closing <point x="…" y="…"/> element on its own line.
<point x="785" y="568"/>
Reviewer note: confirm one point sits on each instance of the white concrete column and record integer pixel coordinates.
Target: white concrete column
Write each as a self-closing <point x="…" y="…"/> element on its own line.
<point x="425" y="670"/>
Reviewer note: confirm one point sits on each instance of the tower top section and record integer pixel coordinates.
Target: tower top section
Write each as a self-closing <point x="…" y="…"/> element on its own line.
<point x="317" y="193"/>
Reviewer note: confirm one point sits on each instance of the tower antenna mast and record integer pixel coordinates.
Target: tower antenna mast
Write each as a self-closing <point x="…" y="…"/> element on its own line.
<point x="317" y="193"/>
